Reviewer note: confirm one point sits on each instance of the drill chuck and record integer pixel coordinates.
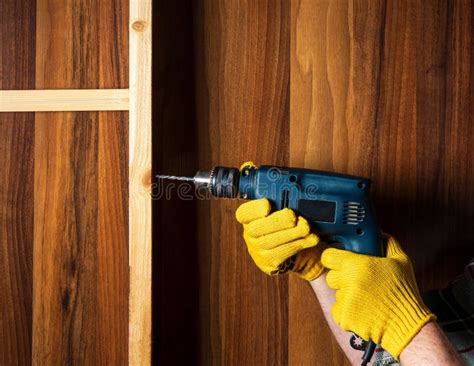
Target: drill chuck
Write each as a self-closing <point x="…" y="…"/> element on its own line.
<point x="222" y="182"/>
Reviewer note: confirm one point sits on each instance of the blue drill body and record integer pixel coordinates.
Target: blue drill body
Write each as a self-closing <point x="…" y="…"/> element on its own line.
<point x="337" y="206"/>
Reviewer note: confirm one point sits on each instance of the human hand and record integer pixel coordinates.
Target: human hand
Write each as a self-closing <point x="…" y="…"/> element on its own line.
<point x="376" y="297"/>
<point x="281" y="241"/>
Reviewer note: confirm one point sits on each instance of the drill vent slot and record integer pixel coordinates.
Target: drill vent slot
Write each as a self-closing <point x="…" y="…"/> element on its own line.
<point x="353" y="213"/>
<point x="285" y="198"/>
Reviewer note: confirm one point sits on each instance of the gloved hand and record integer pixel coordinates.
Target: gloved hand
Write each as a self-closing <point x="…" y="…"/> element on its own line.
<point x="273" y="238"/>
<point x="376" y="297"/>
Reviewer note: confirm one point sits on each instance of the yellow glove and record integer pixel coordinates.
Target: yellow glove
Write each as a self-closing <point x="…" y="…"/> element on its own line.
<point x="377" y="298"/>
<point x="272" y="239"/>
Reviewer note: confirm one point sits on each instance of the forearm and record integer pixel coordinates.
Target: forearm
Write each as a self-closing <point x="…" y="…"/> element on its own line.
<point x="326" y="298"/>
<point x="430" y="347"/>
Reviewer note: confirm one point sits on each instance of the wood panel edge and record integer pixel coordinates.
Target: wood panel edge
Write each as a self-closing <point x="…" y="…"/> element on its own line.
<point x="139" y="182"/>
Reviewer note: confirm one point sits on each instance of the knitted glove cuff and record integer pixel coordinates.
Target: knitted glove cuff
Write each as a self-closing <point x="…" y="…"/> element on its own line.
<point x="415" y="315"/>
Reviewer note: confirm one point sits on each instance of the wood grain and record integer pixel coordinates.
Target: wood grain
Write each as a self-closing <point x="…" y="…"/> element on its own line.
<point x="64" y="261"/>
<point x="334" y="78"/>
<point x="139" y="180"/>
<point x="17" y="46"/>
<point x="80" y="259"/>
<point x="63" y="195"/>
<point x="80" y="289"/>
<point x="16" y="236"/>
<point x="63" y="100"/>
<point x="17" y="60"/>
<point x="384" y="89"/>
<point x="242" y="62"/>
<point x="439" y="106"/>
<point x="112" y="241"/>
<point x="82" y="44"/>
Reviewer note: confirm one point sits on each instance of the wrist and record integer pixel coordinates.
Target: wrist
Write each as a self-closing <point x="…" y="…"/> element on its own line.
<point x="430" y="346"/>
<point x="412" y="316"/>
<point x="401" y="341"/>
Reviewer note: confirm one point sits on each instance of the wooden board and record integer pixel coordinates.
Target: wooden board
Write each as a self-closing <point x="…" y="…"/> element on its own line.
<point x="63" y="100"/>
<point x="16" y="238"/>
<point x="65" y="240"/>
<point x="423" y="177"/>
<point x="376" y="91"/>
<point x="85" y="285"/>
<point x="80" y="246"/>
<point x="335" y="64"/>
<point x="139" y="180"/>
<point x="113" y="272"/>
<point x="242" y="63"/>
<point x="380" y="89"/>
<point x="63" y="195"/>
<point x="81" y="44"/>
<point x="17" y="71"/>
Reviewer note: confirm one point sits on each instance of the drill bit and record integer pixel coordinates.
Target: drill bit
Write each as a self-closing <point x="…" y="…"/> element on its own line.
<point x="175" y="177"/>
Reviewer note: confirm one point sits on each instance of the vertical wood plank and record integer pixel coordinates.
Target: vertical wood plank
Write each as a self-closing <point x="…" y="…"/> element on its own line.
<point x="80" y="292"/>
<point x="139" y="181"/>
<point x="16" y="237"/>
<point x="81" y="276"/>
<point x="384" y="89"/>
<point x="242" y="50"/>
<point x="113" y="43"/>
<point x="334" y="84"/>
<point x="65" y="240"/>
<point x="424" y="130"/>
<point x="17" y="60"/>
<point x="112" y="241"/>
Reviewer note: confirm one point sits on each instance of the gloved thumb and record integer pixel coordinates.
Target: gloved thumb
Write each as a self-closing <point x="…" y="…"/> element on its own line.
<point x="252" y="210"/>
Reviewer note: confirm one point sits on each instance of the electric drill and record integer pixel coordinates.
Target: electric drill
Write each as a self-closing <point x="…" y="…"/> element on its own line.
<point x="337" y="206"/>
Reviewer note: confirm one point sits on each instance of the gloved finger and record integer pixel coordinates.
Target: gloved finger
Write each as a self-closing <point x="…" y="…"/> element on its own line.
<point x="277" y="221"/>
<point x="252" y="210"/>
<point x="333" y="279"/>
<point x="282" y="238"/>
<point x="333" y="258"/>
<point x="394" y="250"/>
<point x="289" y="249"/>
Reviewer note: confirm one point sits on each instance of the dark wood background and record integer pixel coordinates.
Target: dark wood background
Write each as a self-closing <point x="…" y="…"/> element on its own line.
<point x="63" y="188"/>
<point x="373" y="88"/>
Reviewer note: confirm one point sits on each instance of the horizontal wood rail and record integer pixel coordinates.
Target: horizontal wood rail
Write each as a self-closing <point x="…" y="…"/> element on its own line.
<point x="64" y="100"/>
